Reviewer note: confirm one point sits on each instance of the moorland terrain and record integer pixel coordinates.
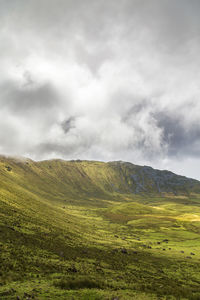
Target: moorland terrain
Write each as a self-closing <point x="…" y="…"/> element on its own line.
<point x="95" y="230"/>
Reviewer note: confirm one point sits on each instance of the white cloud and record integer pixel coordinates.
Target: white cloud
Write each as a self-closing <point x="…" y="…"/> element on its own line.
<point x="101" y="80"/>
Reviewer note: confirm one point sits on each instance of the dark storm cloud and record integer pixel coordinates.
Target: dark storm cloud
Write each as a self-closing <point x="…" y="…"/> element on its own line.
<point x="68" y="124"/>
<point x="181" y="139"/>
<point x="101" y="79"/>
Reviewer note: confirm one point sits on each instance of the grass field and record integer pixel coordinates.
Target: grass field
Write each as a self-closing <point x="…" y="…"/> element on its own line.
<point x="80" y="230"/>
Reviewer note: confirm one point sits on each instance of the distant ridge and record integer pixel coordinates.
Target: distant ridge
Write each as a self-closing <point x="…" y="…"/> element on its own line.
<point x="93" y="178"/>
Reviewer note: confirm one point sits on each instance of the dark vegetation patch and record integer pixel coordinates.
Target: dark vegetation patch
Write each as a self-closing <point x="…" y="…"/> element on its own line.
<point x="75" y="284"/>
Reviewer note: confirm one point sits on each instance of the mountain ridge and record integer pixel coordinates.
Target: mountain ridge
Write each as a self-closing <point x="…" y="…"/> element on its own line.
<point x="96" y="177"/>
<point x="26" y="159"/>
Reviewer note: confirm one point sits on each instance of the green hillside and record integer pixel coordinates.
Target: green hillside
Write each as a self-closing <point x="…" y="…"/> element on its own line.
<point x="94" y="230"/>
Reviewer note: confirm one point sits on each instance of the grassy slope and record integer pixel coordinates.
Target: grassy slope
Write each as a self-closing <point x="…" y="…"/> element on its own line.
<point x="76" y="229"/>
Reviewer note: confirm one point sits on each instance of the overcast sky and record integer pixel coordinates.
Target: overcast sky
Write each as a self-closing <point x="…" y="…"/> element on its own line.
<point x="102" y="79"/>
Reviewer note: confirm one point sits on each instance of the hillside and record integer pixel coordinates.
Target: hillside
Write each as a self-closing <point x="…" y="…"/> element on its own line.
<point x="94" y="230"/>
<point x="60" y="178"/>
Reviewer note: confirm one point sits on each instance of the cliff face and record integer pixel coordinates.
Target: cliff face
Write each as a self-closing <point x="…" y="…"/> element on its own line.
<point x="144" y="179"/>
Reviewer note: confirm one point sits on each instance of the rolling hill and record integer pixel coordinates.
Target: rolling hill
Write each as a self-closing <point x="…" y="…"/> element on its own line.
<point x="95" y="230"/>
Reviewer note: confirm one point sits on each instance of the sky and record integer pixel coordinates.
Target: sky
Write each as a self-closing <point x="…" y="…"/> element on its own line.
<point x="102" y="80"/>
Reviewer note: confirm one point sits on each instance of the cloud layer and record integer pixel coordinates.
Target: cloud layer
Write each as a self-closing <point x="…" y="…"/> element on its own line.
<point x="101" y="80"/>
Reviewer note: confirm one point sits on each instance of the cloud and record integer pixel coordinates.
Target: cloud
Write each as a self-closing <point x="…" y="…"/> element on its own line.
<point x="101" y="80"/>
<point x="181" y="140"/>
<point x="68" y="124"/>
<point x="28" y="99"/>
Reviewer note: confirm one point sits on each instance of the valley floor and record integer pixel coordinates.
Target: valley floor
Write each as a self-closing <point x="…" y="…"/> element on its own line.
<point x="126" y="250"/>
